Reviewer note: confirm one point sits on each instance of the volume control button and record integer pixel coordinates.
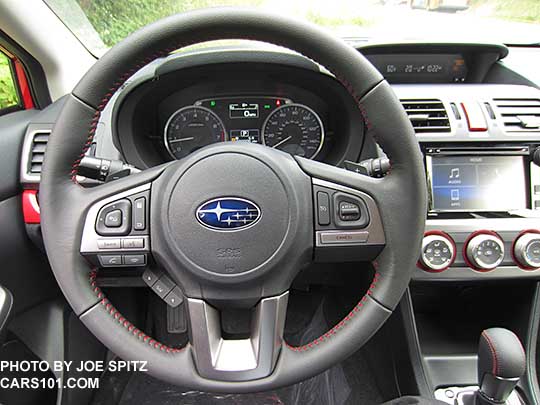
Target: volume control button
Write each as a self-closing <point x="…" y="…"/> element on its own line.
<point x="139" y="214"/>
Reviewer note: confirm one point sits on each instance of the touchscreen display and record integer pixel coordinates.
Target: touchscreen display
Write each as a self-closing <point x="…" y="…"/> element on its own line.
<point x="477" y="183"/>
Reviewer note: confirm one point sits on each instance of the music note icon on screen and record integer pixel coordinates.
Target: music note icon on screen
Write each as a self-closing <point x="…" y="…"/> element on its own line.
<point x="454" y="173"/>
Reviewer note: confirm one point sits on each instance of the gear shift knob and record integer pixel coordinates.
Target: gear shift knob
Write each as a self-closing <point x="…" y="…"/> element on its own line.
<point x="501" y="363"/>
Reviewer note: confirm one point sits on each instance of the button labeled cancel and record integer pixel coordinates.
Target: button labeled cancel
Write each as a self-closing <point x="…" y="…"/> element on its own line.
<point x="343" y="237"/>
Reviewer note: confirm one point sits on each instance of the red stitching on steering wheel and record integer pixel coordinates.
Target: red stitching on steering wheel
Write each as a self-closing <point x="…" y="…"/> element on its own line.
<point x="105" y="302"/>
<point x="103" y="103"/>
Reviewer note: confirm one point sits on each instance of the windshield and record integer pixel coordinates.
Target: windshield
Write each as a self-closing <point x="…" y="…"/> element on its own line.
<point x="99" y="24"/>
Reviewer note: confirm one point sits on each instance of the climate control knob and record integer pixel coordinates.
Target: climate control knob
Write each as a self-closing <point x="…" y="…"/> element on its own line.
<point x="485" y="251"/>
<point x="438" y="252"/>
<point x="527" y="250"/>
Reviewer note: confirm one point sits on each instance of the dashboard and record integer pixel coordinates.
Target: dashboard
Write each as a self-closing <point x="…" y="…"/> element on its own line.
<point x="287" y="107"/>
<point x="477" y="123"/>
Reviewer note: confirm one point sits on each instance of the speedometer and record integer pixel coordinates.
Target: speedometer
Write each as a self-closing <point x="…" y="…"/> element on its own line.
<point x="191" y="128"/>
<point x="294" y="128"/>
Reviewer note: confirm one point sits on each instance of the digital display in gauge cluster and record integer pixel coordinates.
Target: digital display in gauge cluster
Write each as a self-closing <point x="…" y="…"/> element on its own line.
<point x="272" y="121"/>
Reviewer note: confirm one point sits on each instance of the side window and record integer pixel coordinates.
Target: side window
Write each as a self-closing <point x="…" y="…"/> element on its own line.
<point x="9" y="96"/>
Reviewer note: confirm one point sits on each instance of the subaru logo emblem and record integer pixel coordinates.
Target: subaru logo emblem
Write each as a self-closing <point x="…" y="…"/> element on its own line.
<point x="228" y="214"/>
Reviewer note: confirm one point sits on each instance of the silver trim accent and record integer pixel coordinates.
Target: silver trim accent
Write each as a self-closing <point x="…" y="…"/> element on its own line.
<point x="508" y="228"/>
<point x="26" y="176"/>
<point x="187" y="107"/>
<point x="473" y="224"/>
<point x="480" y="93"/>
<point x="302" y="106"/>
<point x="522" y="245"/>
<point x="90" y="238"/>
<point x="237" y="359"/>
<point x="374" y="229"/>
<point x="462" y="396"/>
<point x="473" y="245"/>
<point x="535" y="181"/>
<point x="433" y="238"/>
<point x="340" y="238"/>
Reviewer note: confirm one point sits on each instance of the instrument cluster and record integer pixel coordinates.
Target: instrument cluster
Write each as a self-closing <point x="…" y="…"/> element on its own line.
<point x="276" y="122"/>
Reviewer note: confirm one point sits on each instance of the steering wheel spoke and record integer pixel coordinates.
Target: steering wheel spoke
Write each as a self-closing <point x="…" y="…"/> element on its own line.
<point x="250" y="358"/>
<point x="347" y="218"/>
<point x="116" y="231"/>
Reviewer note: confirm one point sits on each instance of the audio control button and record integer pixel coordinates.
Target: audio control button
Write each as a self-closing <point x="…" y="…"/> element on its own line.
<point x="110" y="260"/>
<point x="133" y="243"/>
<point x="113" y="219"/>
<point x="527" y="250"/>
<point x="108" y="243"/>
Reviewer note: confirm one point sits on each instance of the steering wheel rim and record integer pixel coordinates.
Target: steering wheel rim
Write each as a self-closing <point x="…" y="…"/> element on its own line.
<point x="402" y="191"/>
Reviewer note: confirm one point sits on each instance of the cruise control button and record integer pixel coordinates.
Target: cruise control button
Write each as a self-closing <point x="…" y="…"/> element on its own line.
<point x="134" y="260"/>
<point x="113" y="219"/>
<point x="108" y="243"/>
<point x="110" y="260"/>
<point x="323" y="207"/>
<point x="133" y="243"/>
<point x="151" y="276"/>
<point x="349" y="211"/>
<point x="343" y="237"/>
<point x="163" y="286"/>
<point x="174" y="298"/>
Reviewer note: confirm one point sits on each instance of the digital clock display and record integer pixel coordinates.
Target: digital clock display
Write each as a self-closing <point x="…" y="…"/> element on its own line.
<point x="430" y="68"/>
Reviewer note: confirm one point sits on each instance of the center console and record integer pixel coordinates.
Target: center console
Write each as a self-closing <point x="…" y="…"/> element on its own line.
<point x="484" y="203"/>
<point x="481" y="149"/>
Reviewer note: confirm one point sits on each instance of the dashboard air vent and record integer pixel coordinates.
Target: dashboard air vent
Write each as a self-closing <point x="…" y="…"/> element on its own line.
<point x="37" y="152"/>
<point x="427" y="116"/>
<point x="519" y="115"/>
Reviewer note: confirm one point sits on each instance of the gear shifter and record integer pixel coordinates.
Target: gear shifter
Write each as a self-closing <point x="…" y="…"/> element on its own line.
<point x="501" y="363"/>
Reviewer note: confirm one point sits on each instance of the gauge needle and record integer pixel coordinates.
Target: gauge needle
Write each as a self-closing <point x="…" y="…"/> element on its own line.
<point x="181" y="139"/>
<point x="282" y="142"/>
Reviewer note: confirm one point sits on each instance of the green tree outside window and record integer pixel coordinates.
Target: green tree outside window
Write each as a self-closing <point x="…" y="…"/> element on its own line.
<point x="8" y="94"/>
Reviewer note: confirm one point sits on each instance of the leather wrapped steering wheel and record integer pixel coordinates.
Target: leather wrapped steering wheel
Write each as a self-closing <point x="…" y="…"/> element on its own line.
<point x="268" y="254"/>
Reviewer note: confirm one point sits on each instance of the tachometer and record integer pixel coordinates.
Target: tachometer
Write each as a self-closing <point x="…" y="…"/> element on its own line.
<point x="294" y="128"/>
<point x="191" y="128"/>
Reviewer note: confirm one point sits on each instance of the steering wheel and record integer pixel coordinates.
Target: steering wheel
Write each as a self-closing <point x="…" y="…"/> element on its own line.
<point x="254" y="264"/>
